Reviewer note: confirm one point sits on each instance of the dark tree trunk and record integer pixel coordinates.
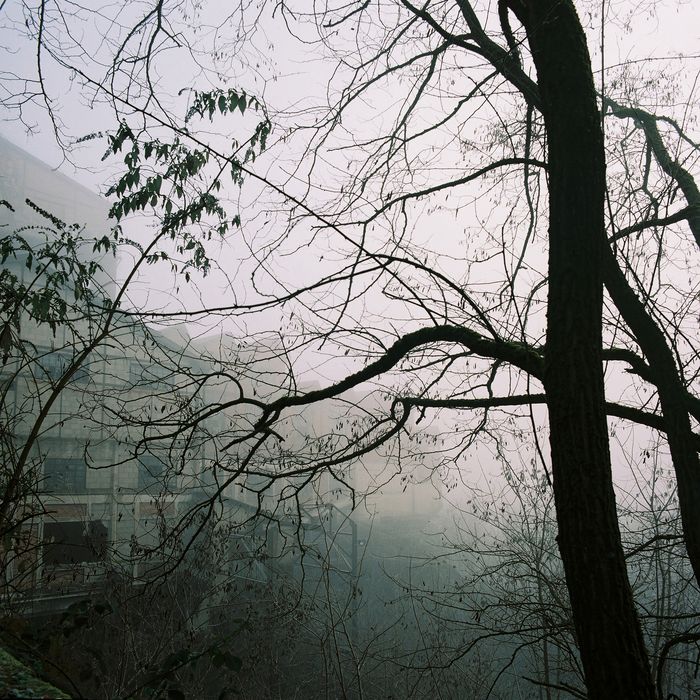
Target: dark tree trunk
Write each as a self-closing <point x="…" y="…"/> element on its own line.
<point x="679" y="433"/>
<point x="609" y="636"/>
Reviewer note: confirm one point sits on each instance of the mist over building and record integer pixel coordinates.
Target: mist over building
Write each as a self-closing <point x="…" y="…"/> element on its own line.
<point x="108" y="489"/>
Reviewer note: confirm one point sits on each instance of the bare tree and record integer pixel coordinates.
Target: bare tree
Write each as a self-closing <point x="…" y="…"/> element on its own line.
<point x="512" y="598"/>
<point x="439" y="318"/>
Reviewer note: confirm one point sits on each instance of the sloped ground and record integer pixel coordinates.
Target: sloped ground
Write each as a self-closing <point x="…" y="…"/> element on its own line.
<point x="19" y="681"/>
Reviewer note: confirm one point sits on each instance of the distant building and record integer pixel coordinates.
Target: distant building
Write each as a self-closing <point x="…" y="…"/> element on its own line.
<point x="91" y="499"/>
<point x="102" y="487"/>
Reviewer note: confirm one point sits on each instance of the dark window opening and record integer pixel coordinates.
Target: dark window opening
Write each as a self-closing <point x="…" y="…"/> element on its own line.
<point x="74" y="542"/>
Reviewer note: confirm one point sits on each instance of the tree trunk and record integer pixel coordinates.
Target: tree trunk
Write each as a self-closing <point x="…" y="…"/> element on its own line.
<point x="679" y="433"/>
<point x="609" y="636"/>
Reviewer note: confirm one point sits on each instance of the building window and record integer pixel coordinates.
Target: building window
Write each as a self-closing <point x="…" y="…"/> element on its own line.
<point x="153" y="475"/>
<point x="135" y="373"/>
<point x="152" y="376"/>
<point x="65" y="475"/>
<point x="74" y="542"/>
<point x="53" y="364"/>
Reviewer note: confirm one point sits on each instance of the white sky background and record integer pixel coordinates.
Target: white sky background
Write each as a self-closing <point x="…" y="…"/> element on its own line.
<point x="289" y="77"/>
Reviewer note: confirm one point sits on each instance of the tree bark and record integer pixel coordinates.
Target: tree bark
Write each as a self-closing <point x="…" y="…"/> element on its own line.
<point x="679" y="432"/>
<point x="609" y="636"/>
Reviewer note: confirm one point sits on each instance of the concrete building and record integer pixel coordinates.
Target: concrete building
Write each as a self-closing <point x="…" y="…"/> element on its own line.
<point x="93" y="490"/>
<point x="114" y="457"/>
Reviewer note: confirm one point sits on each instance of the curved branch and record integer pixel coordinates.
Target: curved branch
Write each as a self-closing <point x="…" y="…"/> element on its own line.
<point x="635" y="415"/>
<point x="520" y="356"/>
<point x="687" y="638"/>
<point x="455" y="183"/>
<point x="684" y="214"/>
<point x="647" y="122"/>
<point x="507" y="64"/>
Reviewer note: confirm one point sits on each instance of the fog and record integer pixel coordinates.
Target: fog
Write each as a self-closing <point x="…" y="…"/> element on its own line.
<point x="274" y="313"/>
